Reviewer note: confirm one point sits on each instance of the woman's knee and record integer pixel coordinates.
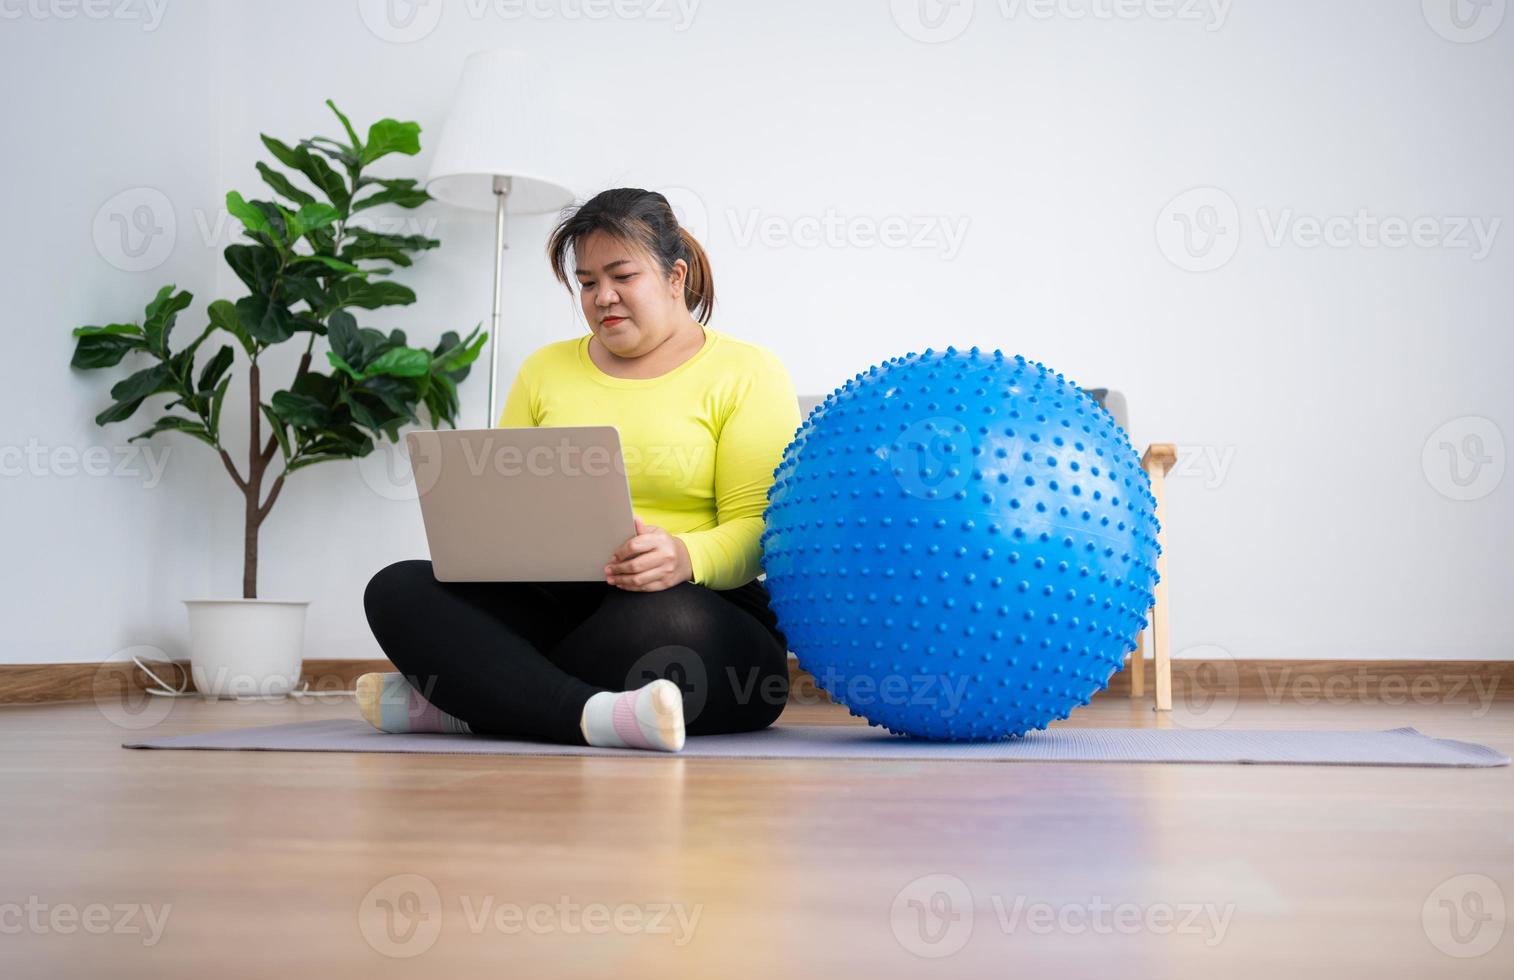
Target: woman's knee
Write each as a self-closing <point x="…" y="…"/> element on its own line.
<point x="390" y="585"/>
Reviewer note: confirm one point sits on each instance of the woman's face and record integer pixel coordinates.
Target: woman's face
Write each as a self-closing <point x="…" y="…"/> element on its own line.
<point x="629" y="305"/>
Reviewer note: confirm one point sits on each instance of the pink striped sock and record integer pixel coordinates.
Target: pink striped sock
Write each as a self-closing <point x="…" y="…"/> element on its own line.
<point x="649" y="717"/>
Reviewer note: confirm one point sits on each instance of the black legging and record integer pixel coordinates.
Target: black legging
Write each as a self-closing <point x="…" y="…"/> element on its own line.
<point x="521" y="658"/>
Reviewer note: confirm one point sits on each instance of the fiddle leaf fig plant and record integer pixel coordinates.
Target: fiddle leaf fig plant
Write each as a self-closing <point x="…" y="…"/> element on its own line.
<point x="310" y="269"/>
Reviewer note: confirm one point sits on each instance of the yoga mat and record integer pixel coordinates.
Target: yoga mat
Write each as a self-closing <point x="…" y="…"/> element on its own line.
<point x="1395" y="747"/>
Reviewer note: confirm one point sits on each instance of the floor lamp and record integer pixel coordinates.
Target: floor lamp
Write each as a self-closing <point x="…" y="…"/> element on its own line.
<point x="496" y="153"/>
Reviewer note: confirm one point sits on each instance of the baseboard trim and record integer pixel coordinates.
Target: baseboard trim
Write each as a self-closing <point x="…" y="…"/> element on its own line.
<point x="1280" y="681"/>
<point x="47" y="683"/>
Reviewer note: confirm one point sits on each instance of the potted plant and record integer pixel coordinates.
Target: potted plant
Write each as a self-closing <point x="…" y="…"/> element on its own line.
<point x="308" y="265"/>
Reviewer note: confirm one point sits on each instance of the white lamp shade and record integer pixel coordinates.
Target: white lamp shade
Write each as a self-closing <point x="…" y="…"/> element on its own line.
<point x="500" y="124"/>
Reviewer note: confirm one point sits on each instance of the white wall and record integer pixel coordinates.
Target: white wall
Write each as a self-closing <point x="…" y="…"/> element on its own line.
<point x="1301" y="383"/>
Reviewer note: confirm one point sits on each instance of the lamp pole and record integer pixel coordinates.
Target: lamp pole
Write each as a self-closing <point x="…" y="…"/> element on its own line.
<point x="501" y="193"/>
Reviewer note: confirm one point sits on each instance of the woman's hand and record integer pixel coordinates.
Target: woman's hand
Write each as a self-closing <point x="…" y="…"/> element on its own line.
<point x="650" y="561"/>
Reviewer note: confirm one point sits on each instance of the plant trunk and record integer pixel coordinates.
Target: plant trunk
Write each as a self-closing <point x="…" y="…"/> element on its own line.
<point x="252" y="519"/>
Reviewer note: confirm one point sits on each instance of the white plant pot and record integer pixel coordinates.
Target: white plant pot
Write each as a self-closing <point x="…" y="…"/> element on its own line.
<point x="246" y="648"/>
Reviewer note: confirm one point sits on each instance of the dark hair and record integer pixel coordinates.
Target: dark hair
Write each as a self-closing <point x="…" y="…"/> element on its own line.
<point x="643" y="218"/>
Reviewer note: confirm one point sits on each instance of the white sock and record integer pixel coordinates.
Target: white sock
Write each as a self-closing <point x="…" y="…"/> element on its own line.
<point x="649" y="717"/>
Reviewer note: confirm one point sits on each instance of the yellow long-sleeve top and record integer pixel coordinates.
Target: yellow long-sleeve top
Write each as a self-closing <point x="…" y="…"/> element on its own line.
<point x="700" y="442"/>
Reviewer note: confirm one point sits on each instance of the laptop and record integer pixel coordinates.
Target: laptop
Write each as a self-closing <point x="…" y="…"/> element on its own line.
<point x="534" y="504"/>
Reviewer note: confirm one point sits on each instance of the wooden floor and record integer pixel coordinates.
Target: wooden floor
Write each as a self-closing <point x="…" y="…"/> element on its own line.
<point x="345" y="865"/>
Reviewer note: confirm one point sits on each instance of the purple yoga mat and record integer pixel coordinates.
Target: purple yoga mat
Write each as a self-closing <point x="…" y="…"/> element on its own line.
<point x="1395" y="747"/>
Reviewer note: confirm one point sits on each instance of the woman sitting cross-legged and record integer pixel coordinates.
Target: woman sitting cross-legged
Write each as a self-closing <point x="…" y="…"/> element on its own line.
<point x="679" y="638"/>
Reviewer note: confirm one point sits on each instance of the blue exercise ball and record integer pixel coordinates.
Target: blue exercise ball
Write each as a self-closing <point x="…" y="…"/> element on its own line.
<point x="960" y="545"/>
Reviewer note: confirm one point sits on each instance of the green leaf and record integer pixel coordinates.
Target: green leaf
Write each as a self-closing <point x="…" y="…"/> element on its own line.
<point x="315" y="169"/>
<point x="256" y="265"/>
<point x="100" y="347"/>
<point x="455" y="356"/>
<point x="223" y="316"/>
<point x="311" y="217"/>
<point x="390" y="136"/>
<point x="305" y="461"/>
<point x="253" y="218"/>
<point x="340" y="152"/>
<point x="346" y="341"/>
<point x="400" y="191"/>
<point x="301" y="411"/>
<point x="357" y="144"/>
<point x="267" y="322"/>
<point x="401" y="362"/>
<point x="335" y="264"/>
<point x="337" y="362"/>
<point x="148" y="381"/>
<point x="278" y="426"/>
<point x="282" y="185"/>
<point x="161" y="313"/>
<point x="367" y="244"/>
<point x="176" y="423"/>
<point x="369" y="295"/>
<point x="129" y="329"/>
<point x="211" y="373"/>
<point x="215" y="405"/>
<point x="118" y="411"/>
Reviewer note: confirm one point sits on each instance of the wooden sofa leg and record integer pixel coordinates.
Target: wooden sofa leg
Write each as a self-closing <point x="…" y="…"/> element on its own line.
<point x="1138" y="668"/>
<point x="1156" y="462"/>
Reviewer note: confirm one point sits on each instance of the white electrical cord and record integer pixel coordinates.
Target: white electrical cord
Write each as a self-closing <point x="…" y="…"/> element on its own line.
<point x="165" y="690"/>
